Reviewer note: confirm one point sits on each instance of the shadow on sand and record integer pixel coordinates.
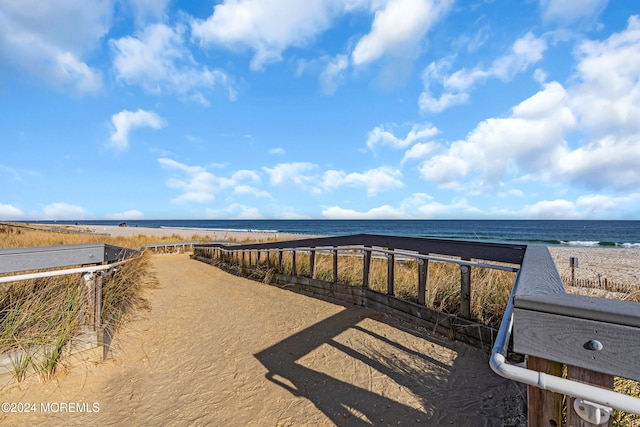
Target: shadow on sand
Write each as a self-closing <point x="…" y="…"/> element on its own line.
<point x="412" y="377"/>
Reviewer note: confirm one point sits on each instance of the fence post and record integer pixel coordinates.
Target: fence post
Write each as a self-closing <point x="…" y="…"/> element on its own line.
<point x="465" y="291"/>
<point x="258" y="259"/>
<point x="544" y="407"/>
<point x="391" y="261"/>
<point x="589" y="377"/>
<point x="280" y="260"/>
<point x="312" y="264"/>
<point x="268" y="259"/>
<point x="335" y="265"/>
<point x="88" y="298"/>
<point x="366" y="267"/>
<point x="423" y="274"/>
<point x="294" y="271"/>
<point x="98" y="321"/>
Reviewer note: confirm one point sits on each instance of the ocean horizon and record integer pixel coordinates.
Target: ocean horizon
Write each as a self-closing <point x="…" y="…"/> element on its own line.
<point x="583" y="233"/>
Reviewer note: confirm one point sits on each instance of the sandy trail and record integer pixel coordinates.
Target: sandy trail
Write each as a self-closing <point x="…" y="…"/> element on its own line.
<point x="216" y="349"/>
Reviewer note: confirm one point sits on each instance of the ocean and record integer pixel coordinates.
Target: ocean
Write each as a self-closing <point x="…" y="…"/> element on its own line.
<point x="587" y="233"/>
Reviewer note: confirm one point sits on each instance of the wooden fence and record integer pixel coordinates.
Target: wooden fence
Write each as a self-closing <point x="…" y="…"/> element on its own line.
<point x="602" y="283"/>
<point x="594" y="338"/>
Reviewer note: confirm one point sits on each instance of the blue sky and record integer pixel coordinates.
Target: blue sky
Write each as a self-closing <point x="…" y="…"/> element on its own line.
<point x="158" y="109"/>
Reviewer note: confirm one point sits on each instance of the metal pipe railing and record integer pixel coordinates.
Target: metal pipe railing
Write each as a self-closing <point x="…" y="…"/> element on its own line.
<point x="590" y="393"/>
<point x="42" y="274"/>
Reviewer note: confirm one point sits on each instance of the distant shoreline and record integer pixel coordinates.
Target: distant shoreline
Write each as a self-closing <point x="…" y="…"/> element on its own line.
<point x="621" y="265"/>
<point x="570" y="233"/>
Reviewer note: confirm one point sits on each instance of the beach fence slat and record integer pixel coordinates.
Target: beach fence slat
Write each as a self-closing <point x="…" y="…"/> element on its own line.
<point x="465" y="291"/>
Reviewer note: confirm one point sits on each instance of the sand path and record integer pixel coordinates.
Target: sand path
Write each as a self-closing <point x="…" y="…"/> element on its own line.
<point x="220" y="350"/>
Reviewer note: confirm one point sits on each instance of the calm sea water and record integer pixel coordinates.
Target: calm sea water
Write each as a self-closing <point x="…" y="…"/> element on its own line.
<point x="550" y="232"/>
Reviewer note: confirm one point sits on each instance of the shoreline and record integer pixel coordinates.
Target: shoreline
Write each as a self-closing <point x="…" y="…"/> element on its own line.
<point x="619" y="265"/>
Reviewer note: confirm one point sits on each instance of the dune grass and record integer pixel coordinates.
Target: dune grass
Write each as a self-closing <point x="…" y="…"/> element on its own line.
<point x="490" y="287"/>
<point x="39" y="317"/>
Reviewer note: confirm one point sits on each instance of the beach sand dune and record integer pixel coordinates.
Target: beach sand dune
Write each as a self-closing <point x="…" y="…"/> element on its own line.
<point x="216" y="349"/>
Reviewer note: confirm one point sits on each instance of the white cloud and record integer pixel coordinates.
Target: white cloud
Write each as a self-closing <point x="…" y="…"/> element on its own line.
<point x="602" y="205"/>
<point x="421" y="205"/>
<point x="606" y="97"/>
<point x="234" y="211"/>
<point x="435" y="72"/>
<point x="598" y="112"/>
<point x="36" y="35"/>
<point x="158" y="61"/>
<point x="552" y="209"/>
<point x="237" y="183"/>
<point x="382" y="212"/>
<point x="125" y="121"/>
<point x="525" y="52"/>
<point x="567" y="12"/>
<point x="8" y="212"/>
<point x="420" y="151"/>
<point x="64" y="211"/>
<point x="430" y="104"/>
<point x="418" y="132"/>
<point x="374" y="180"/>
<point x="130" y="214"/>
<point x="397" y="28"/>
<point x="277" y="151"/>
<point x="416" y="206"/>
<point x="148" y="10"/>
<point x="294" y="173"/>
<point x="197" y="186"/>
<point x="333" y="74"/>
<point x="250" y="190"/>
<point x="266" y="27"/>
<point x="531" y="140"/>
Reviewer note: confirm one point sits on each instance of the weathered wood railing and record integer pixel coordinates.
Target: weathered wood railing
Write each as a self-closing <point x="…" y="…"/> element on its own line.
<point x="94" y="260"/>
<point x="595" y="338"/>
<point x="395" y="249"/>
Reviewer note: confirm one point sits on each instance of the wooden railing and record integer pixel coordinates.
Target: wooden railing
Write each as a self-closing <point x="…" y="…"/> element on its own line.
<point x="395" y="249"/>
<point x="595" y="338"/>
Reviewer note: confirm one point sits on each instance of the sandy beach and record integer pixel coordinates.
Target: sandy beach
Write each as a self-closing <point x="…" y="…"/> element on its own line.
<point x="191" y="234"/>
